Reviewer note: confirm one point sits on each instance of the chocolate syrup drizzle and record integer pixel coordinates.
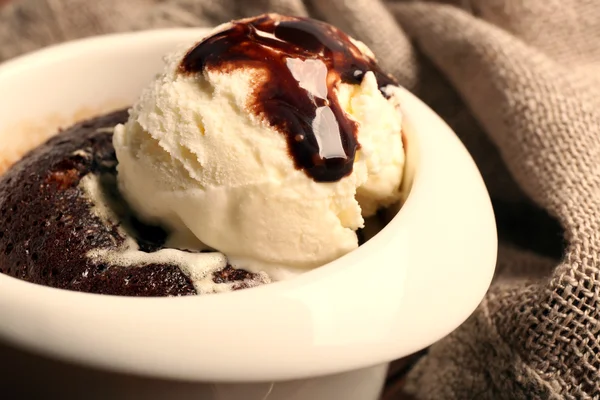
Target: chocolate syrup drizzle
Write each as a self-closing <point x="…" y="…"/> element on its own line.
<point x="304" y="61"/>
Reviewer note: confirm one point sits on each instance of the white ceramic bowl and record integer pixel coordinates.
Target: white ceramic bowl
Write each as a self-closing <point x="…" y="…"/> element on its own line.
<point x="409" y="286"/>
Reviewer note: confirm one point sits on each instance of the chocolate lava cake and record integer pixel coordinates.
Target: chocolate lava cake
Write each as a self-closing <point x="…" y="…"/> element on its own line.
<point x="49" y="226"/>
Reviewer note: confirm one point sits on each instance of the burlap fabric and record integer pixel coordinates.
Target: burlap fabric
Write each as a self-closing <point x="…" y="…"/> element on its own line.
<point x="519" y="82"/>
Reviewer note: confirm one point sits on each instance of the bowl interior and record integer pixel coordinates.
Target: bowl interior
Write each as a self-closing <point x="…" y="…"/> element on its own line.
<point x="58" y="87"/>
<point x="416" y="281"/>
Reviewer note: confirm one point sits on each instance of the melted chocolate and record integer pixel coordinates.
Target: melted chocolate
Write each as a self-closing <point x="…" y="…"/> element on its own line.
<point x="304" y="61"/>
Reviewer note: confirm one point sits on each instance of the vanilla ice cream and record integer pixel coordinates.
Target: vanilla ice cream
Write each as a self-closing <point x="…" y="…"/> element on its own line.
<point x="269" y="141"/>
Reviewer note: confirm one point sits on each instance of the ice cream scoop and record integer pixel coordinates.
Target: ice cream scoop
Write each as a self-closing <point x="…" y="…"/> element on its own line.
<point x="270" y="141"/>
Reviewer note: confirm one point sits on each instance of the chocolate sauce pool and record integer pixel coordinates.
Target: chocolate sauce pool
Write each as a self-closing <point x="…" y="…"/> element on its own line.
<point x="304" y="60"/>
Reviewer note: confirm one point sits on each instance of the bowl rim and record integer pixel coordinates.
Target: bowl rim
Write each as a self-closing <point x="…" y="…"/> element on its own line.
<point x="303" y="347"/>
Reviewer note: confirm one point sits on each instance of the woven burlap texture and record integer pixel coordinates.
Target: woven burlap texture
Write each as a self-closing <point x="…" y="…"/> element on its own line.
<point x="518" y="80"/>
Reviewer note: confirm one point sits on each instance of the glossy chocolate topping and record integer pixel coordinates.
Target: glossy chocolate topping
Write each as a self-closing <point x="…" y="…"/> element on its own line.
<point x="303" y="61"/>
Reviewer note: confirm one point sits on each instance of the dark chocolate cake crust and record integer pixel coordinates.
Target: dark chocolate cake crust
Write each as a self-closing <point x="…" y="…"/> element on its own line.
<point x="47" y="223"/>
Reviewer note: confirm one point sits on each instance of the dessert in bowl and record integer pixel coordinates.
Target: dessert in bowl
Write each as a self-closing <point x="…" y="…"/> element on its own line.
<point x="387" y="298"/>
<point x="257" y="154"/>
